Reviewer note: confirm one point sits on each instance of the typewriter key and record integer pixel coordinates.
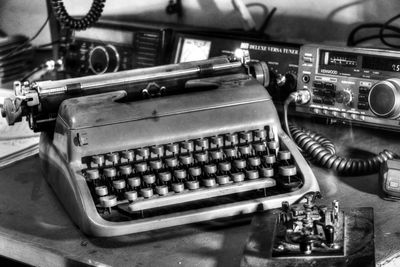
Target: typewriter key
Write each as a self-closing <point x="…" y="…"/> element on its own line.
<point x="193" y="185"/>
<point x="149" y="179"/>
<point x="230" y="152"/>
<point x="172" y="148"/>
<point x="195" y="171"/>
<point x="143" y="152"/>
<point x="217" y="141"/>
<point x="217" y="155"/>
<point x="238" y="177"/>
<point x="108" y="201"/>
<point x="209" y="182"/>
<point x="231" y="139"/>
<point x="224" y="166"/>
<point x="125" y="170"/>
<point x="202" y="144"/>
<point x="141" y="167"/>
<point x="287" y="170"/>
<point x="201" y="157"/>
<point x="134" y="182"/>
<point x="245" y="150"/>
<point x="223" y="179"/>
<point x="267" y="172"/>
<point x="171" y="162"/>
<point x="273" y="146"/>
<point x="112" y="157"/>
<point x="186" y="159"/>
<point x="93" y="174"/>
<point x="146" y="192"/>
<point x="165" y="176"/>
<point x="119" y="184"/>
<point x="162" y="190"/>
<point x="259" y="148"/>
<point x="239" y="164"/>
<point x="187" y="145"/>
<point x="101" y="190"/>
<point x="252" y="174"/>
<point x="110" y="172"/>
<point x="260" y="134"/>
<point x="284" y="155"/>
<point x="131" y="195"/>
<point x="210" y="169"/>
<point x="178" y="187"/>
<point x="157" y="150"/>
<point x="98" y="160"/>
<point x="254" y="162"/>
<point x="156" y="165"/>
<point x="269" y="159"/>
<point x="246" y="137"/>
<point x="180" y="174"/>
<point x="128" y="155"/>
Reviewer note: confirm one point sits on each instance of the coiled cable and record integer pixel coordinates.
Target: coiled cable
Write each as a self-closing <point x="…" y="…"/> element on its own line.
<point x="77" y="24"/>
<point x="322" y="151"/>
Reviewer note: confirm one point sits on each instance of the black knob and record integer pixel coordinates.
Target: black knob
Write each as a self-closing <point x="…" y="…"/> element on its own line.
<point x="103" y="59"/>
<point x="384" y="98"/>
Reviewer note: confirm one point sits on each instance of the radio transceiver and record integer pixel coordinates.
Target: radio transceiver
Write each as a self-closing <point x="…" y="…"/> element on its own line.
<point x="356" y="85"/>
<point x="111" y="46"/>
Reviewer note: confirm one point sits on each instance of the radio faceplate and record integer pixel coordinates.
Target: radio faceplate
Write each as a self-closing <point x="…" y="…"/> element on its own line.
<point x="355" y="85"/>
<point x="109" y="47"/>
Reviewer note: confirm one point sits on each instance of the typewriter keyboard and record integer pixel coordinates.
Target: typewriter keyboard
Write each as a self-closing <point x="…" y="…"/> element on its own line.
<point x="217" y="169"/>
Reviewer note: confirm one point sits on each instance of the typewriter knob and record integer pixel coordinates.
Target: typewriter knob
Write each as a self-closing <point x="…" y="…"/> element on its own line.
<point x="157" y="150"/>
<point x="267" y="172"/>
<point x="210" y="169"/>
<point x="103" y="59"/>
<point x="146" y="192"/>
<point x="141" y="167"/>
<point x="239" y="163"/>
<point x="134" y="181"/>
<point x="149" y="179"/>
<point x="143" y="152"/>
<point x="252" y="174"/>
<point x="186" y="159"/>
<point x="269" y="159"/>
<point x="259" y="147"/>
<point x="188" y="145"/>
<point x="162" y="190"/>
<point x="110" y="172"/>
<point x="288" y="170"/>
<point x="180" y="174"/>
<point x="93" y="174"/>
<point x="217" y="154"/>
<point x="172" y="148"/>
<point x="230" y="152"/>
<point x="217" y="141"/>
<point x="156" y="164"/>
<point x="171" y="162"/>
<point x="98" y="159"/>
<point x="165" y="176"/>
<point x="254" y="161"/>
<point x="195" y="171"/>
<point x="201" y="156"/>
<point x="119" y="184"/>
<point x="223" y="179"/>
<point x="225" y="166"/>
<point x="245" y="149"/>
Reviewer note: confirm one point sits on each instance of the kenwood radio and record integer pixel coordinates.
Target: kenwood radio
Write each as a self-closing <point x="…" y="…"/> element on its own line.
<point x="111" y="46"/>
<point x="355" y="85"/>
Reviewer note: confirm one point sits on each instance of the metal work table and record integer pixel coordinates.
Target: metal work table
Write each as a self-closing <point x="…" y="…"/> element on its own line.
<point x="34" y="228"/>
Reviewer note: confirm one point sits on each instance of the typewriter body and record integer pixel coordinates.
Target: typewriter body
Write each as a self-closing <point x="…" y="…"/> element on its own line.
<point x="122" y="166"/>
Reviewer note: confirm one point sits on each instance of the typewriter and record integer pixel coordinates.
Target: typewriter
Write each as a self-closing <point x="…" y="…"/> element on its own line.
<point x="152" y="148"/>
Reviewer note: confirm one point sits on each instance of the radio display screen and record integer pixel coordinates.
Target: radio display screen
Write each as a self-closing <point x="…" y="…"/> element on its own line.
<point x="381" y="63"/>
<point x="334" y="58"/>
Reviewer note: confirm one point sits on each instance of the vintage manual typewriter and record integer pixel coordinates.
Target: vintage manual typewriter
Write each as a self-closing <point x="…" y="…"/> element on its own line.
<point x="152" y="148"/>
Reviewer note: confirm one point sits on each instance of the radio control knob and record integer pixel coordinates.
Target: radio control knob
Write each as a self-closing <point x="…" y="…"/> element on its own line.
<point x="103" y="59"/>
<point x="347" y="97"/>
<point x="289" y="81"/>
<point x="384" y="98"/>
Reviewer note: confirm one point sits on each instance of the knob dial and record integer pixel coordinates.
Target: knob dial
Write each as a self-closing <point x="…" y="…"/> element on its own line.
<point x="288" y="81"/>
<point x="384" y="98"/>
<point x="347" y="97"/>
<point x="103" y="59"/>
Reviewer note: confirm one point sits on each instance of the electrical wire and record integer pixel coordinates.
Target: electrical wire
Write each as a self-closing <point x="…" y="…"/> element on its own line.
<point x="386" y="26"/>
<point x="77" y="24"/>
<point x="322" y="151"/>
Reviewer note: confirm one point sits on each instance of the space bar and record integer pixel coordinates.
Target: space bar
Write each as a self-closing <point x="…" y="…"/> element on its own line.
<point x="191" y="195"/>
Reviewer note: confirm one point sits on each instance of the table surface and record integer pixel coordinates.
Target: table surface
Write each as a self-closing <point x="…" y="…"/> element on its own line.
<point x="34" y="228"/>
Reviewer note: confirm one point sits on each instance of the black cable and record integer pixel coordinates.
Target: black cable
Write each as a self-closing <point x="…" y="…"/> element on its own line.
<point x="384" y="27"/>
<point x="322" y="151"/>
<point x="77" y="24"/>
<point x="267" y="20"/>
<point x="352" y="34"/>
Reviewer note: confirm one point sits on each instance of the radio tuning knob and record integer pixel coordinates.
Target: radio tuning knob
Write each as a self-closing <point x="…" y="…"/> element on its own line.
<point x="384" y="98"/>
<point x="288" y="80"/>
<point x="347" y="97"/>
<point x="103" y="59"/>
